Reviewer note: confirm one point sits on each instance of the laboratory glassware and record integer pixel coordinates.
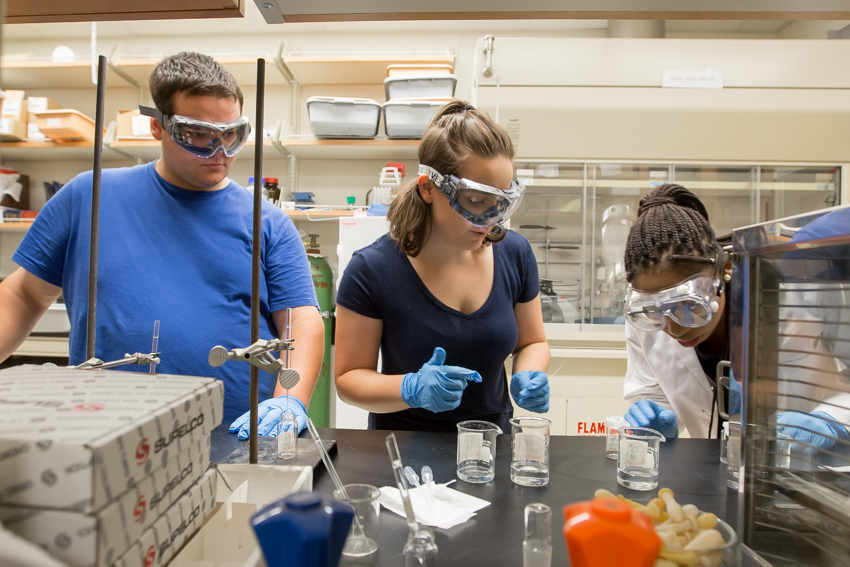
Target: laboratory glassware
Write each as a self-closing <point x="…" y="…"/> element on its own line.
<point x="530" y="450"/>
<point x="476" y="451"/>
<point x="287" y="436"/>
<point x="365" y="500"/>
<point x="613" y="423"/>
<point x="637" y="462"/>
<point x="537" y="547"/>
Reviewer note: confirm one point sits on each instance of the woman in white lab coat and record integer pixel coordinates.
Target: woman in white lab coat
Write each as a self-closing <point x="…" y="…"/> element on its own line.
<point x="677" y="316"/>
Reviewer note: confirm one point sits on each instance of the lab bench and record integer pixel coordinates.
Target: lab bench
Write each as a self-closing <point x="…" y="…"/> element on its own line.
<point x="578" y="466"/>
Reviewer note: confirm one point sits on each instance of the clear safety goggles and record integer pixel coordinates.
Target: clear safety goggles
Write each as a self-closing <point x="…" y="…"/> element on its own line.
<point x="690" y="303"/>
<point x="201" y="138"/>
<point x="481" y="205"/>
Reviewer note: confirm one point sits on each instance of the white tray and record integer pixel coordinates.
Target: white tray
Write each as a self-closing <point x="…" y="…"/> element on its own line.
<point x="337" y="117"/>
<point x="436" y="86"/>
<point x="409" y="118"/>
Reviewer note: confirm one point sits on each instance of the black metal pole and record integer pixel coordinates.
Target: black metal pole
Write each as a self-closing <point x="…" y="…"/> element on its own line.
<point x="91" y="321"/>
<point x="256" y="247"/>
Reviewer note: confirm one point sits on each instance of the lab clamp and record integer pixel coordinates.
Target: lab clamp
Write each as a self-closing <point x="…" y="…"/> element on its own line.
<point x="135" y="358"/>
<point x="259" y="355"/>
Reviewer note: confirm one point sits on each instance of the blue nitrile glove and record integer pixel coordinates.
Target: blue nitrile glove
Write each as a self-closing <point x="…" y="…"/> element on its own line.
<point x="530" y="390"/>
<point x="436" y="387"/>
<point x="735" y="405"/>
<point x="647" y="413"/>
<point x="810" y="428"/>
<point x="270" y="412"/>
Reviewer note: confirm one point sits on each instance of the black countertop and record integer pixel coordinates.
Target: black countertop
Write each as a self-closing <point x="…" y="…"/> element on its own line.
<point x="578" y="466"/>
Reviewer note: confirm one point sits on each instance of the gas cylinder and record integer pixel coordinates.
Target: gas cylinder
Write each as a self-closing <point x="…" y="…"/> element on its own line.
<point x="323" y="281"/>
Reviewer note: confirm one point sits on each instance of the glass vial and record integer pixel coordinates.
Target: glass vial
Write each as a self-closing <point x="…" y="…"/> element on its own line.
<point x="420" y="550"/>
<point x="287" y="436"/>
<point x="613" y="423"/>
<point x="537" y="547"/>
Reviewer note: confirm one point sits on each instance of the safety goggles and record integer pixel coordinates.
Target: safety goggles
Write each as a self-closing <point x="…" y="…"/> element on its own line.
<point x="481" y="205"/>
<point x="690" y="303"/>
<point x="201" y="138"/>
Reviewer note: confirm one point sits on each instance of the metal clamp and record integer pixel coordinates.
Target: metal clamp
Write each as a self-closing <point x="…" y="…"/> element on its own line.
<point x="259" y="355"/>
<point x="135" y="358"/>
<point x="488" y="55"/>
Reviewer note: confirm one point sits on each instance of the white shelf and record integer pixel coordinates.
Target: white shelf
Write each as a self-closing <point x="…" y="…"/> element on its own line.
<point x="43" y="346"/>
<point x="243" y="67"/>
<point x="378" y="149"/>
<point x="43" y="73"/>
<point x="316" y="68"/>
<point x="149" y="150"/>
<point x="55" y="151"/>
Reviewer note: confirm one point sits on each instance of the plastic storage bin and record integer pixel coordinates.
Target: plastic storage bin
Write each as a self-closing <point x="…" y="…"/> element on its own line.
<point x="336" y="117"/>
<point x="418" y="70"/>
<point x="422" y="86"/>
<point x="65" y="124"/>
<point x="409" y="118"/>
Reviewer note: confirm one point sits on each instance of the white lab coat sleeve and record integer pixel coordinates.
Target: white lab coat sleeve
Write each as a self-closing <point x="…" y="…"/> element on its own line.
<point x="837" y="406"/>
<point x="641" y="382"/>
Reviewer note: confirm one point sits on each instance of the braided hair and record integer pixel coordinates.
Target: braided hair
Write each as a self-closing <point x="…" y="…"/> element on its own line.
<point x="672" y="227"/>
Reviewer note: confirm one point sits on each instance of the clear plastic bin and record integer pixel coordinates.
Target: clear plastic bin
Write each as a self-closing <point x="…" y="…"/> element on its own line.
<point x="423" y="86"/>
<point x="409" y="118"/>
<point x="338" y="117"/>
<point x="418" y="70"/>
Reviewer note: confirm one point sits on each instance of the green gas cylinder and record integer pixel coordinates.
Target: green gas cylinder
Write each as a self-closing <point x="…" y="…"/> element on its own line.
<point x="319" y="410"/>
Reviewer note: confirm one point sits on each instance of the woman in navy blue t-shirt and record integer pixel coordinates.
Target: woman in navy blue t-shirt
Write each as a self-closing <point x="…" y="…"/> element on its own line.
<point x="448" y="295"/>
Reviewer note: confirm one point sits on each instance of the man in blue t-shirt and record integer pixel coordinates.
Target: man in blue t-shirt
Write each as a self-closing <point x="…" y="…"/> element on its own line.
<point x="175" y="246"/>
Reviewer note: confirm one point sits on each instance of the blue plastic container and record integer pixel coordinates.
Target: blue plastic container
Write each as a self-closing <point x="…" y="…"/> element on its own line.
<point x="303" y="529"/>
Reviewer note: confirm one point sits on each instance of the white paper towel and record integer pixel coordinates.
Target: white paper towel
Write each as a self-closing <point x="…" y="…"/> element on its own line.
<point x="450" y="507"/>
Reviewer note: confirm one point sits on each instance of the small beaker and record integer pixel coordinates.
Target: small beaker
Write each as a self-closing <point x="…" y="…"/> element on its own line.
<point x="287" y="436"/>
<point x="733" y="454"/>
<point x="637" y="461"/>
<point x="613" y="423"/>
<point x="530" y="450"/>
<point x="420" y="550"/>
<point x="362" y="539"/>
<point x="476" y="450"/>
<point x="537" y="547"/>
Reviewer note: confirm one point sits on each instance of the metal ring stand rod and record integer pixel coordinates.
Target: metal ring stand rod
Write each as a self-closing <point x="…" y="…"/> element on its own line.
<point x="256" y="247"/>
<point x="91" y="315"/>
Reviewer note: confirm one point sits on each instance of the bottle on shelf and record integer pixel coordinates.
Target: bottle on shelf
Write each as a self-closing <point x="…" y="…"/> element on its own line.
<point x="250" y="187"/>
<point x="270" y="184"/>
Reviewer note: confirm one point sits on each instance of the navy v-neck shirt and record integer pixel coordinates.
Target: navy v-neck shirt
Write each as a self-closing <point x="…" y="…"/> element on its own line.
<point x="381" y="283"/>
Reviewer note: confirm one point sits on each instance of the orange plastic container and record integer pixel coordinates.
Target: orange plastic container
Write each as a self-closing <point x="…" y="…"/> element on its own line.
<point x="606" y="532"/>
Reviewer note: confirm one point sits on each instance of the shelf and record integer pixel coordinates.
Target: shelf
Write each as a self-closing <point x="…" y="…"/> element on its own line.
<point x="15" y="226"/>
<point x="379" y="149"/>
<point x="54" y="151"/>
<point x="316" y="68"/>
<point x="299" y="214"/>
<point x="652" y="184"/>
<point x="149" y="150"/>
<point x="29" y="74"/>
<point x="43" y="346"/>
<point x="243" y="67"/>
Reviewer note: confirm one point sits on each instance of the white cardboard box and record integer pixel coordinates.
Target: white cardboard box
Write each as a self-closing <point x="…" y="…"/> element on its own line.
<point x="173" y="529"/>
<point x="227" y="539"/>
<point x="78" y="439"/>
<point x="100" y="538"/>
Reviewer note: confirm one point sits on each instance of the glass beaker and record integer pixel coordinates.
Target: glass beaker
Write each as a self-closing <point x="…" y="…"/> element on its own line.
<point x="287" y="436"/>
<point x="724" y="444"/>
<point x="476" y="450"/>
<point x="530" y="450"/>
<point x="637" y="461"/>
<point x="537" y="547"/>
<point x="365" y="499"/>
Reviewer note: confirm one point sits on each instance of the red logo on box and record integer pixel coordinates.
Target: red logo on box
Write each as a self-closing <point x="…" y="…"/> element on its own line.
<point x="139" y="508"/>
<point x="150" y="556"/>
<point x="88" y="407"/>
<point x="143" y="449"/>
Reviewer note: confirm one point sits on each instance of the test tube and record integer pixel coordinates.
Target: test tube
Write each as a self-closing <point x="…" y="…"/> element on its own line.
<point x="154" y="344"/>
<point x="537" y="547"/>
<point x="287" y="436"/>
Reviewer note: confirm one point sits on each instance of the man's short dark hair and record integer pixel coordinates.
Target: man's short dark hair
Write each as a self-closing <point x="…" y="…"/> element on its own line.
<point x="192" y="73"/>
